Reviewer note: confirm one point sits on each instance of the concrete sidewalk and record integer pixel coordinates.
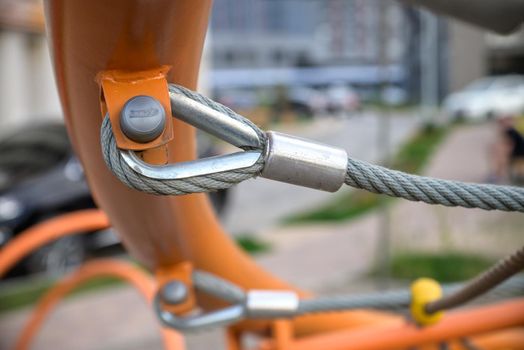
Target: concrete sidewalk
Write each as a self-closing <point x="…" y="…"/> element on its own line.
<point x="322" y="258"/>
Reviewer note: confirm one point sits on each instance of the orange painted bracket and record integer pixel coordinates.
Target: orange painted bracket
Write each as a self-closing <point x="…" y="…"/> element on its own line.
<point x="183" y="273"/>
<point x="118" y="86"/>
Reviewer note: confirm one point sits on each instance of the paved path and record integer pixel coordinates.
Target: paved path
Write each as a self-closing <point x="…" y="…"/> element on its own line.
<point x="323" y="258"/>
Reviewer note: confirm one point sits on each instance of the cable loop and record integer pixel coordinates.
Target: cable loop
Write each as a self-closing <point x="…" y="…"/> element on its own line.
<point x="287" y="159"/>
<point x="277" y="304"/>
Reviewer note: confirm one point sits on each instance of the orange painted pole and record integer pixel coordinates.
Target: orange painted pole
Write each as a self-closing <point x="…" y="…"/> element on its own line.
<point x="403" y="335"/>
<point x="48" y="231"/>
<point x="512" y="338"/>
<point x="89" y="37"/>
<point x="143" y="283"/>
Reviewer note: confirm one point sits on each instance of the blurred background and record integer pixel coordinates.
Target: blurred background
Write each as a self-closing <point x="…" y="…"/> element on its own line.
<point x="390" y="83"/>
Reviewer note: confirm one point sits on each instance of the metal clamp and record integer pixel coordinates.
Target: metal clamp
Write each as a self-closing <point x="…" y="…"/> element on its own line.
<point x="217" y="318"/>
<point x="304" y="163"/>
<point x="286" y="158"/>
<point x="184" y="170"/>
<point x="215" y="123"/>
<point x="271" y="303"/>
<point x="266" y="304"/>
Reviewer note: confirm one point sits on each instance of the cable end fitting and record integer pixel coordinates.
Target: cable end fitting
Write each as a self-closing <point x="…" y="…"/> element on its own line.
<point x="424" y="291"/>
<point x="304" y="163"/>
<point x="271" y="303"/>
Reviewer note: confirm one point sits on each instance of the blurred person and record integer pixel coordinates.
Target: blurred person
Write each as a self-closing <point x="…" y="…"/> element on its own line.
<point x="507" y="153"/>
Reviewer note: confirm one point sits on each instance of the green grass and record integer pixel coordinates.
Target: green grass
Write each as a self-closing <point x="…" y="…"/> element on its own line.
<point x="414" y="154"/>
<point x="252" y="244"/>
<point x="380" y="106"/>
<point x="411" y="158"/>
<point x="30" y="290"/>
<point x="444" y="267"/>
<point x="342" y="208"/>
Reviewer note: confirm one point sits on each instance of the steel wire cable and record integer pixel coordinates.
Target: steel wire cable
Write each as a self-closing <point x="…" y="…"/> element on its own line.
<point x="394" y="300"/>
<point x="381" y="180"/>
<point x="397" y="300"/>
<point x="197" y="184"/>
<point x="360" y="175"/>
<point x="487" y="280"/>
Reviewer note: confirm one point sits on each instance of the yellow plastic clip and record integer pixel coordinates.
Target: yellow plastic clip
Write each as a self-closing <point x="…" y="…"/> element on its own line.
<point x="424" y="291"/>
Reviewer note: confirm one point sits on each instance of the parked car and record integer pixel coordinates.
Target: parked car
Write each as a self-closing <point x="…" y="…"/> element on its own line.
<point x="487" y="98"/>
<point x="41" y="178"/>
<point x="341" y="99"/>
<point x="307" y="101"/>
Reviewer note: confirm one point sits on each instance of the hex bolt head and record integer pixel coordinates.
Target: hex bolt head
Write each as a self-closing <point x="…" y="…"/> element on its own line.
<point x="174" y="292"/>
<point x="142" y="119"/>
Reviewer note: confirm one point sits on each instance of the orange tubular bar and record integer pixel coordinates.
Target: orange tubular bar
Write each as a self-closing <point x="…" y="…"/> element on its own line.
<point x="47" y="231"/>
<point x="89" y="37"/>
<point x="402" y="335"/>
<point x="98" y="268"/>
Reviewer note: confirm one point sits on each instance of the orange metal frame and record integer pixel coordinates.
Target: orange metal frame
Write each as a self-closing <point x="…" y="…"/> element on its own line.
<point x="140" y="280"/>
<point x="89" y="39"/>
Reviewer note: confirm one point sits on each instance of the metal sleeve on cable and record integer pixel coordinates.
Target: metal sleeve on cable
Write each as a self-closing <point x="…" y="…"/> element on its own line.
<point x="304" y="163"/>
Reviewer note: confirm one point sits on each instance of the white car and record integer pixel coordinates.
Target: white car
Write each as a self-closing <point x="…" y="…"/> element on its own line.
<point x="342" y="98"/>
<point x="487" y="98"/>
<point x="307" y="100"/>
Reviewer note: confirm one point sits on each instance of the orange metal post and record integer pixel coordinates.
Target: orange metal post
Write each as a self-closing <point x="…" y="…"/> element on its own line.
<point x="95" y="269"/>
<point x="88" y="37"/>
<point x="282" y="334"/>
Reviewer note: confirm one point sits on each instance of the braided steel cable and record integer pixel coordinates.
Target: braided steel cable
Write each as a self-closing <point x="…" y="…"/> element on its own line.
<point x="501" y="271"/>
<point x="360" y="175"/>
<point x="377" y="179"/>
<point x="394" y="300"/>
<point x="197" y="184"/>
<point x="397" y="299"/>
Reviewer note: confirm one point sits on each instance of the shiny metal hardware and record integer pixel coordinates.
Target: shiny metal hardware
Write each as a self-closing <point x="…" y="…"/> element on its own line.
<point x="287" y="159"/>
<point x="142" y="119"/>
<point x="303" y="162"/>
<point x="267" y="304"/>
<point x="214" y="122"/>
<point x="175" y="292"/>
<point x="221" y="317"/>
<point x="271" y="303"/>
<point x="183" y="170"/>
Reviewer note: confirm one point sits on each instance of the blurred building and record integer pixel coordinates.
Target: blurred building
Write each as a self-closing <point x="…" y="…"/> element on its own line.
<point x="313" y="35"/>
<point x="27" y="86"/>
<point x="279" y="42"/>
<point x="266" y="33"/>
<point x="264" y="42"/>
